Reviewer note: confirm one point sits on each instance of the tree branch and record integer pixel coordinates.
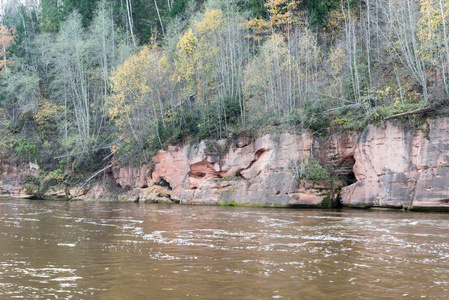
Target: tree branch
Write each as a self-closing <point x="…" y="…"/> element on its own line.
<point x="90" y="178"/>
<point x="342" y="107"/>
<point x="112" y="153"/>
<point x="82" y="152"/>
<point x="413" y="112"/>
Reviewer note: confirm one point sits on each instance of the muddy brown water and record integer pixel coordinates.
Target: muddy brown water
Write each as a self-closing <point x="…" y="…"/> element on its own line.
<point x="104" y="250"/>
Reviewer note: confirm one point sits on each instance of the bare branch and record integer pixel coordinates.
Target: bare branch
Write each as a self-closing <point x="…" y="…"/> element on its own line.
<point x="90" y="178"/>
<point x="413" y="112"/>
<point x="342" y="107"/>
<point x="82" y="152"/>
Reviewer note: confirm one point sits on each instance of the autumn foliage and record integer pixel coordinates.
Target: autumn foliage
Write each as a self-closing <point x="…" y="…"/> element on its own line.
<point x="6" y="39"/>
<point x="93" y="77"/>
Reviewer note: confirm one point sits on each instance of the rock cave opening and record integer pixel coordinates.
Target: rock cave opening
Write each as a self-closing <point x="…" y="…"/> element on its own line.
<point x="198" y="174"/>
<point x="164" y="183"/>
<point x="350" y="178"/>
<point x="238" y="173"/>
<point x="347" y="170"/>
<point x="257" y="155"/>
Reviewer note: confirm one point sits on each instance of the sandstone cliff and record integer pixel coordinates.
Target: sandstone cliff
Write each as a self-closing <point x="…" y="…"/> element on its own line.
<point x="385" y="166"/>
<point x="397" y="167"/>
<point x="12" y="179"/>
<point x="252" y="171"/>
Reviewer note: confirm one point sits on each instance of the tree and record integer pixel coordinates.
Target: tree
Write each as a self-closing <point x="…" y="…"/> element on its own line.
<point x="352" y="50"/>
<point x="282" y="77"/>
<point x="86" y="8"/>
<point x="265" y="81"/>
<point x="319" y="9"/>
<point x="209" y="61"/>
<point x="140" y="98"/>
<point x="283" y="15"/>
<point x="70" y="58"/>
<point x="50" y="16"/>
<point x="258" y="9"/>
<point x="6" y="39"/>
<point x="401" y="32"/>
<point x="24" y="21"/>
<point x="432" y="34"/>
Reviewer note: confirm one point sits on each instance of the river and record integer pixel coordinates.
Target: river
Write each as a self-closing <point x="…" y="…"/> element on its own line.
<point x="105" y="250"/>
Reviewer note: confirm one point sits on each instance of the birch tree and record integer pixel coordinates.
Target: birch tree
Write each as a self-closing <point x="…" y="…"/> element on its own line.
<point x="71" y="56"/>
<point x="432" y="36"/>
<point x="6" y="39"/>
<point x="140" y="98"/>
<point x="401" y="33"/>
<point x="209" y="62"/>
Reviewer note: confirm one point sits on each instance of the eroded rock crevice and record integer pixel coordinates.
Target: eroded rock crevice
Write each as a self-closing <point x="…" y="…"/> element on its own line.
<point x="346" y="170"/>
<point x="203" y="170"/>
<point x="164" y="183"/>
<point x="257" y="155"/>
<point x="350" y="178"/>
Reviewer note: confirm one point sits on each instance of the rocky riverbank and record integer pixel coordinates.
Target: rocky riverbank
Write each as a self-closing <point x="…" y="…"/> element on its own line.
<point x="385" y="166"/>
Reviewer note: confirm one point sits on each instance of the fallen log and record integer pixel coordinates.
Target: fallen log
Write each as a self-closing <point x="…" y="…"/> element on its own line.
<point x="89" y="179"/>
<point x="413" y="112"/>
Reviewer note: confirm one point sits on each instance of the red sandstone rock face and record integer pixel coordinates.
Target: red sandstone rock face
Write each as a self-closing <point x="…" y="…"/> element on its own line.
<point x="256" y="173"/>
<point x="338" y="151"/>
<point x="247" y="171"/>
<point x="393" y="167"/>
<point x="12" y="177"/>
<point x="132" y="177"/>
<point x="401" y="168"/>
<point x="203" y="170"/>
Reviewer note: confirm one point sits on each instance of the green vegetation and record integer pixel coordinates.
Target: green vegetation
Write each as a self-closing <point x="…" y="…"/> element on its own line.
<point x="81" y="80"/>
<point x="38" y="187"/>
<point x="310" y="171"/>
<point x="319" y="10"/>
<point x="314" y="171"/>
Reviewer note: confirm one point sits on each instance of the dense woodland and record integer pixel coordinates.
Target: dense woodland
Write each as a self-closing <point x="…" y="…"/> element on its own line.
<point x="84" y="79"/>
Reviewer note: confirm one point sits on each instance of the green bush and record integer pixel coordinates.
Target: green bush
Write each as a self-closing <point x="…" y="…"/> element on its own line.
<point x="384" y="111"/>
<point x="21" y="147"/>
<point x="349" y="120"/>
<point x="217" y="116"/>
<point x="315" y="119"/>
<point x="314" y="171"/>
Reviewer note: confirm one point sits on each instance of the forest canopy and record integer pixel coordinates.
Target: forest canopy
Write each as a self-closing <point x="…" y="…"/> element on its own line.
<point x="81" y="80"/>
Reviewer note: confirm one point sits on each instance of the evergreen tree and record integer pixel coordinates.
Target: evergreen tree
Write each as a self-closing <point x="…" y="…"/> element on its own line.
<point x="85" y="8"/>
<point x="51" y="15"/>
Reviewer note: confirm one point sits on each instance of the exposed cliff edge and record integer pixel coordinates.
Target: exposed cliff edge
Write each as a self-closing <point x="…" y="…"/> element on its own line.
<point x="246" y="171"/>
<point x="401" y="168"/>
<point x="385" y="166"/>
